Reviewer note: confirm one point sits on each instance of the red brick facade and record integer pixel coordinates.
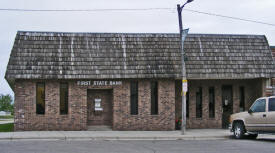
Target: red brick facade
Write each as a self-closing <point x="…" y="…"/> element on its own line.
<point x="253" y="90"/>
<point x="273" y="51"/>
<point x="165" y="120"/>
<point x="76" y="119"/>
<point x="271" y="89"/>
<point x="25" y="108"/>
<point x="273" y="79"/>
<point x="169" y="102"/>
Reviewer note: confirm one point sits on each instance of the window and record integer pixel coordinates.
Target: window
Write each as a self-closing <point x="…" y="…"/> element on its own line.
<point x="154" y="98"/>
<point x="187" y="104"/>
<point x="199" y="103"/>
<point x="63" y="98"/>
<point x="242" y="102"/>
<point x="258" y="106"/>
<point x="211" y="102"/>
<point x="268" y="82"/>
<point x="40" y="98"/>
<point x="134" y="97"/>
<point x="271" y="105"/>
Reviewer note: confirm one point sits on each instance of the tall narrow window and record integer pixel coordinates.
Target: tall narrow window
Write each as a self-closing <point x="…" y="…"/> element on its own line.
<point x="187" y="104"/>
<point x="154" y="98"/>
<point x="242" y="99"/>
<point x="199" y="103"/>
<point x="211" y="102"/>
<point x="134" y="97"/>
<point x="40" y="98"/>
<point x="63" y="98"/>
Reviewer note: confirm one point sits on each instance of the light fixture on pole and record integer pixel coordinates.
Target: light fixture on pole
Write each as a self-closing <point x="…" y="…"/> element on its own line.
<point x="183" y="34"/>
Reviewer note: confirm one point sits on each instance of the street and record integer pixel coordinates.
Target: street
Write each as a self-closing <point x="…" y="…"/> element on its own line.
<point x="181" y="146"/>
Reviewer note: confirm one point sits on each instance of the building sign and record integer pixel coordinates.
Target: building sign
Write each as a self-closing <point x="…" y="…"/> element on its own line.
<point x="184" y="86"/>
<point x="99" y="83"/>
<point x="98" y="105"/>
<point x="84" y="83"/>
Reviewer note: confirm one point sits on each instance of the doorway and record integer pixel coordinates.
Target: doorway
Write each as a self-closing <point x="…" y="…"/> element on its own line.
<point x="99" y="107"/>
<point x="227" y="104"/>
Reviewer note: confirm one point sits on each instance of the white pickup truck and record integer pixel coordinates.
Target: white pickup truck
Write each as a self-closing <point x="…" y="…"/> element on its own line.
<point x="260" y="118"/>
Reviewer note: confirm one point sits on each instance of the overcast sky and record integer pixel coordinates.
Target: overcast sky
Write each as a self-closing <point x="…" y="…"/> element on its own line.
<point x="154" y="21"/>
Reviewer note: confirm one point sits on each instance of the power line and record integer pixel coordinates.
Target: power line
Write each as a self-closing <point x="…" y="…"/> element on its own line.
<point x="83" y="10"/>
<point x="229" y="17"/>
<point x="133" y="9"/>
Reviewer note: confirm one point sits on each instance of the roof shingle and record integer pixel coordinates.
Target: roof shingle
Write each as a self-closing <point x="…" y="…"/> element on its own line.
<point x="56" y="55"/>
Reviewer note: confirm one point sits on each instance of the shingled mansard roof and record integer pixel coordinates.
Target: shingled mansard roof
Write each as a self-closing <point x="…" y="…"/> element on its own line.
<point x="57" y="55"/>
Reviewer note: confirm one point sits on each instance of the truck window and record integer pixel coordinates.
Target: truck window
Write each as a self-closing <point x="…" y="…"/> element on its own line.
<point x="271" y="105"/>
<point x="258" y="106"/>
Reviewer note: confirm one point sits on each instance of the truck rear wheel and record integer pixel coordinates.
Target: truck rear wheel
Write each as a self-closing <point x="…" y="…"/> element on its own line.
<point x="238" y="130"/>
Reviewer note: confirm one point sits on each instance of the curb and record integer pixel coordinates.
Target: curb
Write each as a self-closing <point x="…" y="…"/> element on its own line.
<point x="118" y="138"/>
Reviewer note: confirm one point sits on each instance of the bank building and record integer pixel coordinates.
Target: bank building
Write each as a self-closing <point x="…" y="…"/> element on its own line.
<point x="132" y="81"/>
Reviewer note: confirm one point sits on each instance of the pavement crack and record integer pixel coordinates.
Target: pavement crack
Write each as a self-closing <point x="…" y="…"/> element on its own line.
<point x="144" y="146"/>
<point x="149" y="148"/>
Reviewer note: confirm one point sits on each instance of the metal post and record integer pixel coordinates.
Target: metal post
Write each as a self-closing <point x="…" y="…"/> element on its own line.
<point x="180" y="18"/>
<point x="183" y="122"/>
<point x="184" y="80"/>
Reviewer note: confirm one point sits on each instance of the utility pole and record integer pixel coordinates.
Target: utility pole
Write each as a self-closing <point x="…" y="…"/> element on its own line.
<point x="183" y="34"/>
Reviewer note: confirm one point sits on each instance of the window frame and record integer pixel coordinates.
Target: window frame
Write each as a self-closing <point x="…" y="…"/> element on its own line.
<point x="134" y="111"/>
<point x="154" y="96"/>
<point x="187" y="104"/>
<point x="66" y="99"/>
<point x="199" y="93"/>
<point x="242" y="98"/>
<point x="212" y="113"/>
<point x="43" y="98"/>
<point x="268" y="83"/>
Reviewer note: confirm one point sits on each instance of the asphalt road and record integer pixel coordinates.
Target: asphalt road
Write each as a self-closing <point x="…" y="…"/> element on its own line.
<point x="186" y="146"/>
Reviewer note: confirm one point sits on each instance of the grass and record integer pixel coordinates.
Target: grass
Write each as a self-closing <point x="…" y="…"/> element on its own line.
<point x="6" y="117"/>
<point x="6" y="127"/>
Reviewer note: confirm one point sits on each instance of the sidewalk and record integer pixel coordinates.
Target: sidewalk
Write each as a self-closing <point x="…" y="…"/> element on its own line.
<point x="191" y="134"/>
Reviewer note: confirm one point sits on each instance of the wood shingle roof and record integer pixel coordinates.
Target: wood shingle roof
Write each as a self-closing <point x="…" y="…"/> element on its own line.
<point x="57" y="55"/>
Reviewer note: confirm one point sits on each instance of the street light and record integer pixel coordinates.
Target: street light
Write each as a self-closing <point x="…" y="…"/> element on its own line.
<point x="180" y="8"/>
<point x="183" y="34"/>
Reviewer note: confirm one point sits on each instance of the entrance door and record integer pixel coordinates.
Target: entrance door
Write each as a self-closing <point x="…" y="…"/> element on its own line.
<point x="227" y="105"/>
<point x="100" y="107"/>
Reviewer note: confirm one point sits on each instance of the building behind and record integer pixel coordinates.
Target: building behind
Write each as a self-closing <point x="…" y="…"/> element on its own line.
<point x="70" y="81"/>
<point x="270" y="88"/>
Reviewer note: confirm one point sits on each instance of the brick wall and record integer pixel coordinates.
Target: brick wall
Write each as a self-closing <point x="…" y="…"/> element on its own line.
<point x="273" y="79"/>
<point x="169" y="105"/>
<point x="27" y="119"/>
<point x="25" y="108"/>
<point x="253" y="90"/>
<point x="270" y="90"/>
<point x="273" y="51"/>
<point x="144" y="120"/>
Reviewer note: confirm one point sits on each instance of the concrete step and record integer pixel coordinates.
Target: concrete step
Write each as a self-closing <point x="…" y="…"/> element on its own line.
<point x="99" y="128"/>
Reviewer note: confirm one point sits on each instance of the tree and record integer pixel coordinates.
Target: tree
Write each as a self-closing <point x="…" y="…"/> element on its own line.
<point x="6" y="103"/>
